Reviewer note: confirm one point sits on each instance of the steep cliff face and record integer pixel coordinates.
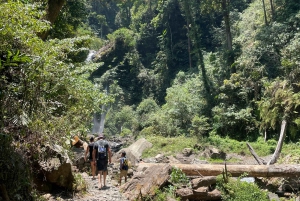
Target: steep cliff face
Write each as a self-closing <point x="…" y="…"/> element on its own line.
<point x="117" y="61"/>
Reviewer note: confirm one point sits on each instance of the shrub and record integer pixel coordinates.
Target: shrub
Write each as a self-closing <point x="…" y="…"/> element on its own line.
<point x="178" y="177"/>
<point x="237" y="190"/>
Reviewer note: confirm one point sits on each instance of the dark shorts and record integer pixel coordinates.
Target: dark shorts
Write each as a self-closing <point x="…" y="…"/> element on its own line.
<point x="102" y="165"/>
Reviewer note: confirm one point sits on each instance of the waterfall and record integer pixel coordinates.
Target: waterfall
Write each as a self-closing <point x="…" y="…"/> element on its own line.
<point x="90" y="56"/>
<point x="98" y="121"/>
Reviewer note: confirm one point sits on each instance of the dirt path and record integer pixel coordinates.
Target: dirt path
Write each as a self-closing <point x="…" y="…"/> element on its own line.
<point x="110" y="193"/>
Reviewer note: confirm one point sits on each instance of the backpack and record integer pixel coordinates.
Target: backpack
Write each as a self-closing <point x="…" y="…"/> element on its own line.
<point x="102" y="152"/>
<point x="125" y="164"/>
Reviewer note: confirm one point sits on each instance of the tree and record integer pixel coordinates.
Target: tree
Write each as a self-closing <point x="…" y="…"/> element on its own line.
<point x="265" y="13"/>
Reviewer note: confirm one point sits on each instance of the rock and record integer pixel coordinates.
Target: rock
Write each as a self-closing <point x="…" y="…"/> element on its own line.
<point x="170" y="199"/>
<point x="184" y="193"/>
<point x="273" y="196"/>
<point x="130" y="172"/>
<point x="149" y="160"/>
<point x="56" y="169"/>
<point x="160" y="158"/>
<point x="146" y="181"/>
<point x="198" y="147"/>
<point x="203" y="181"/>
<point x="134" y="151"/>
<point x="172" y="159"/>
<point x="187" y="152"/>
<point x="184" y="159"/>
<point x="78" y="160"/>
<point x="214" y="153"/>
<point x="47" y="196"/>
<point x="199" y="194"/>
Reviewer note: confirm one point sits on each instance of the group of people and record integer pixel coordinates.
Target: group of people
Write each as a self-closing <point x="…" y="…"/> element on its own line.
<point x="99" y="156"/>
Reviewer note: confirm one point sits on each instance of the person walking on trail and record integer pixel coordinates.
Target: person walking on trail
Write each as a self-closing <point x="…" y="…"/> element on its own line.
<point x="89" y="151"/>
<point x="104" y="155"/>
<point x="123" y="167"/>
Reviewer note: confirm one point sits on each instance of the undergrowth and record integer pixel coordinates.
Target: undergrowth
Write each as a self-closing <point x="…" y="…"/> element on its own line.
<point x="174" y="145"/>
<point x="168" y="145"/>
<point x="236" y="190"/>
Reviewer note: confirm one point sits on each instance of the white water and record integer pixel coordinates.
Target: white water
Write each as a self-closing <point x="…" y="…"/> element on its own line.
<point x="98" y="121"/>
<point x="90" y="56"/>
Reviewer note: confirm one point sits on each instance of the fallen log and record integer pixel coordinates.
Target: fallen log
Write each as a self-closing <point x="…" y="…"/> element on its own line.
<point x="234" y="170"/>
<point x="258" y="160"/>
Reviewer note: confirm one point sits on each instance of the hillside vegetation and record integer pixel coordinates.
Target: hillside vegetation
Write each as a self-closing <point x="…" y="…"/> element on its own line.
<point x="197" y="70"/>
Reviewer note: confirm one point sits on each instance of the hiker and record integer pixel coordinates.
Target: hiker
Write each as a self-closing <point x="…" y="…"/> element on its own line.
<point x="104" y="155"/>
<point x="89" y="150"/>
<point x="123" y="167"/>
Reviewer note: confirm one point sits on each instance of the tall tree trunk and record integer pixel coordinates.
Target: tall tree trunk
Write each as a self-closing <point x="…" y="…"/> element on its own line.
<point x="272" y="10"/>
<point x="195" y="35"/>
<point x="265" y="13"/>
<point x="230" y="56"/>
<point x="225" y="9"/>
<point x="189" y="43"/>
<point x="279" y="144"/>
<point x="53" y="10"/>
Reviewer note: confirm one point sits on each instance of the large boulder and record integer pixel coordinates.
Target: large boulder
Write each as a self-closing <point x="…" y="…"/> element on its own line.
<point x="144" y="183"/>
<point x="134" y="151"/>
<point x="213" y="153"/>
<point x="55" y="170"/>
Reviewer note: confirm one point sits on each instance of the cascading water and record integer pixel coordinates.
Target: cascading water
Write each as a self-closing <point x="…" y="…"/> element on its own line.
<point x="90" y="56"/>
<point x="98" y="121"/>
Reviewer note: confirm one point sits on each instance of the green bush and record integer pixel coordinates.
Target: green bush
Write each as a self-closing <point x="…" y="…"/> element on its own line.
<point x="178" y="177"/>
<point x="237" y="190"/>
<point x="125" y="132"/>
<point x="168" y="145"/>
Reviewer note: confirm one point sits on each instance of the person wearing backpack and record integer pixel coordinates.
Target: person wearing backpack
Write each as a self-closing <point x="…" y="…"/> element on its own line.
<point x="101" y="147"/>
<point x="123" y="167"/>
<point x="90" y="151"/>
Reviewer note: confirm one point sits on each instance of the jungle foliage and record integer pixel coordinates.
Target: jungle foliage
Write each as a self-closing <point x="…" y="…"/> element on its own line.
<point x="163" y="67"/>
<point x="230" y="67"/>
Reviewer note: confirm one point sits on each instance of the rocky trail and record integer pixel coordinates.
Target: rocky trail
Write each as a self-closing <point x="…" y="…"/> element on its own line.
<point x="110" y="193"/>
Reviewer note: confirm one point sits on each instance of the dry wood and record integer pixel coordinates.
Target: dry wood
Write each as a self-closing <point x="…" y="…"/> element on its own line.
<point x="259" y="160"/>
<point x="234" y="170"/>
<point x="279" y="144"/>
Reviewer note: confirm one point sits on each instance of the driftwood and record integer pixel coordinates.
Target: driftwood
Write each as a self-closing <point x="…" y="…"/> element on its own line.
<point x="258" y="160"/>
<point x="279" y="144"/>
<point x="234" y="170"/>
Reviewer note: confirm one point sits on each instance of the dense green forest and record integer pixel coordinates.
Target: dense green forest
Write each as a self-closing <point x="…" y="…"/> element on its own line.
<point x="162" y="67"/>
